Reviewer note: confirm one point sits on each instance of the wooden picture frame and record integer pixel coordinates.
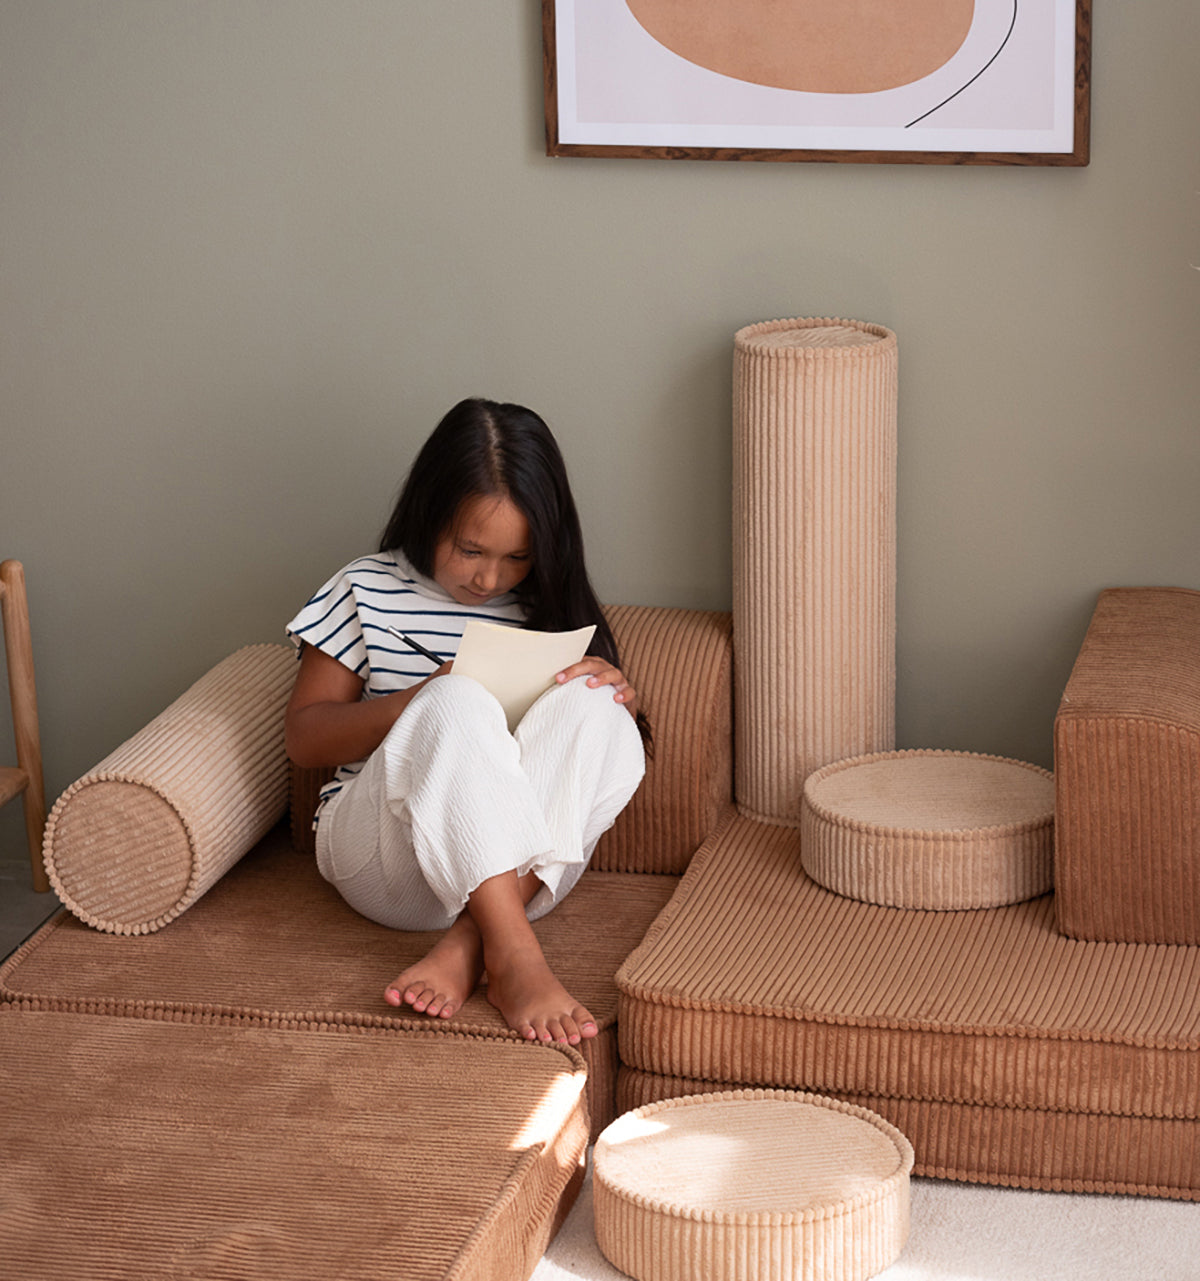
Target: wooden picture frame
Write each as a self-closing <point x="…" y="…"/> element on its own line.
<point x="1013" y="90"/>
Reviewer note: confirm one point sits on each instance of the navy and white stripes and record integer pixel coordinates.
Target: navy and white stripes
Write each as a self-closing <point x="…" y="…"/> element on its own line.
<point x="350" y="615"/>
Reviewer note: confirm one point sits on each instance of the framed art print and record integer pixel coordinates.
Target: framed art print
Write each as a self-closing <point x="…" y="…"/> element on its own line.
<point x="903" y="81"/>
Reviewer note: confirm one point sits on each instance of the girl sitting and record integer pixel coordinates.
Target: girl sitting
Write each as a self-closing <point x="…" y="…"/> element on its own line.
<point x="438" y="817"/>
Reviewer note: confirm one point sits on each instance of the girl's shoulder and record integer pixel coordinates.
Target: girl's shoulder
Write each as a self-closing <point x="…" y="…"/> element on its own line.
<point x="383" y="571"/>
<point x="385" y="564"/>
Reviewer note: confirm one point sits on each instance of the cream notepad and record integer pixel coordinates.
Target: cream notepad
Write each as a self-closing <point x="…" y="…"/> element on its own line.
<point x="515" y="665"/>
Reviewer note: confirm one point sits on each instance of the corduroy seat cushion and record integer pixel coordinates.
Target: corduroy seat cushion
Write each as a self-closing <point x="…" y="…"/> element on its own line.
<point x="751" y="1185"/>
<point x="137" y="840"/>
<point x="930" y="829"/>
<point x="755" y="975"/>
<point x="1127" y="771"/>
<point x="275" y="939"/>
<point x="135" y="1147"/>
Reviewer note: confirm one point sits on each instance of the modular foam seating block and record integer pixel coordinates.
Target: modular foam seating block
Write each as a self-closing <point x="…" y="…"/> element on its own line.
<point x="273" y="938"/>
<point x="181" y="1146"/>
<point x="1127" y="772"/>
<point x="1005" y="1051"/>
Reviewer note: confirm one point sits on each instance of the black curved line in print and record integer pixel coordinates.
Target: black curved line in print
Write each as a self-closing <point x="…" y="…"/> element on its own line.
<point x="975" y="77"/>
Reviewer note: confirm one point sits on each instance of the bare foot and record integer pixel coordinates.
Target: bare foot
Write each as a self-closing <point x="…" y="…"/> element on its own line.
<point x="523" y="988"/>
<point x="445" y="976"/>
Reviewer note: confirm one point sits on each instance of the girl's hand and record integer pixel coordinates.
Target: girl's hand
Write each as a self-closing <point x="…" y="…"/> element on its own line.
<point x="598" y="673"/>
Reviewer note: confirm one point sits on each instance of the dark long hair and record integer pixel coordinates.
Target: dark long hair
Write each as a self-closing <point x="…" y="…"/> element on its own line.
<point x="494" y="450"/>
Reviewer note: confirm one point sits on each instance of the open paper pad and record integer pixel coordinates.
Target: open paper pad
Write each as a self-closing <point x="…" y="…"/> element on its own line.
<point x="517" y="666"/>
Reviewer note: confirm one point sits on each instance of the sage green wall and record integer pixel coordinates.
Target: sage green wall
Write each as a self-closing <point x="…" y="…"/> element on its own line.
<point x="252" y="249"/>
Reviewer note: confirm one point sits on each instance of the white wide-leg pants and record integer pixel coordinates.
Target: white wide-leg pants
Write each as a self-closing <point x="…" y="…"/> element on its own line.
<point x="451" y="798"/>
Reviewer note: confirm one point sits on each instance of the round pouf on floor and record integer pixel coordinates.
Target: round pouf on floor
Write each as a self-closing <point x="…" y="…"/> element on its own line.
<point x="936" y="830"/>
<point x="751" y="1185"/>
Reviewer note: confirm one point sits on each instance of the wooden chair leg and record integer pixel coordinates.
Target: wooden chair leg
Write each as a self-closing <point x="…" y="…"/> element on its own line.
<point x="19" y="649"/>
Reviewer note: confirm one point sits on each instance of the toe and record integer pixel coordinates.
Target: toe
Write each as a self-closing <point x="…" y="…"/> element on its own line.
<point x="571" y="1033"/>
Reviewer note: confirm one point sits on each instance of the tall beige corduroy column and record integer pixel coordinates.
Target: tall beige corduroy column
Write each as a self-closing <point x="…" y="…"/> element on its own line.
<point x="814" y="557"/>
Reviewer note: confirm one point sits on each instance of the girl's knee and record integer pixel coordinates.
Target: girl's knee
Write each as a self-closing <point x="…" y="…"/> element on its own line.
<point x="578" y="704"/>
<point x="451" y="702"/>
<point x="452" y="693"/>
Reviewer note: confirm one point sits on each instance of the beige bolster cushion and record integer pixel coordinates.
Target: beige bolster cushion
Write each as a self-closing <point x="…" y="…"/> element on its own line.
<point x="137" y="840"/>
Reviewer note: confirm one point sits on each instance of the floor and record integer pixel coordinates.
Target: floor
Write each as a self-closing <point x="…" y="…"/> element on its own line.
<point x="21" y="909"/>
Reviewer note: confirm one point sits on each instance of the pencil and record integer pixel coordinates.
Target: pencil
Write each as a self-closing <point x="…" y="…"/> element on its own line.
<point x="408" y="640"/>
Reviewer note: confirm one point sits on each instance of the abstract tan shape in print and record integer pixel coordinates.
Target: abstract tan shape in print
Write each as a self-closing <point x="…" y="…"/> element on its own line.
<point x="817" y="46"/>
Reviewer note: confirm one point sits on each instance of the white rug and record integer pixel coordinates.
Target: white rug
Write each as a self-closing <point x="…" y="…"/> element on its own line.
<point x="962" y="1232"/>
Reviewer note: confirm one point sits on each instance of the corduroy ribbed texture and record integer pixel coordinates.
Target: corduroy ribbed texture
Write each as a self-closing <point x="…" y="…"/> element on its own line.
<point x="138" y="839"/>
<point x="814" y="553"/>
<point x="993" y="1007"/>
<point x="751" y="1184"/>
<point x="273" y="939"/>
<point x="930" y="829"/>
<point x="1127" y="770"/>
<point x="189" y="1149"/>
<point x="304" y="795"/>
<point x="681" y="663"/>
<point x="1009" y="1146"/>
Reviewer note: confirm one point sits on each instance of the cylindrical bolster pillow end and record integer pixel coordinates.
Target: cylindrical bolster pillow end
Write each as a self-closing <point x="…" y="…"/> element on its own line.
<point x="140" y="838"/>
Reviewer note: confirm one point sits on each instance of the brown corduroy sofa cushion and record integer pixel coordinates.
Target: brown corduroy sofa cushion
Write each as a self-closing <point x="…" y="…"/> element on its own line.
<point x="274" y="939"/>
<point x="138" y="839"/>
<point x="1127" y="772"/>
<point x="202" y="1147"/>
<point x="681" y="663"/>
<point x="1007" y="1146"/>
<point x="755" y="975"/>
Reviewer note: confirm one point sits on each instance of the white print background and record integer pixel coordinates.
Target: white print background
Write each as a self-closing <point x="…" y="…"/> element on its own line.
<point x="617" y="85"/>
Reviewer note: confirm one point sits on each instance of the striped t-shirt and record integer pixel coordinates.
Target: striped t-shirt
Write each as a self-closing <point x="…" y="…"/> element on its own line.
<point x="348" y="619"/>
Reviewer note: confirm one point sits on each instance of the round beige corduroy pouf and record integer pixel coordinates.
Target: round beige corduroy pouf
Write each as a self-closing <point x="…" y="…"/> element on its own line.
<point x="930" y="829"/>
<point x="751" y="1185"/>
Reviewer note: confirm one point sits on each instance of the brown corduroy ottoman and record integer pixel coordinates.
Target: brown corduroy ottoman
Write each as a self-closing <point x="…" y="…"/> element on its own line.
<point x="1006" y="1052"/>
<point x="751" y="1185"/>
<point x="930" y="829"/>
<point x="135" y="1147"/>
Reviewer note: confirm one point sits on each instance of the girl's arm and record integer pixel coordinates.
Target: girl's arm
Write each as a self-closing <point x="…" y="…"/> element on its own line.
<point x="326" y="721"/>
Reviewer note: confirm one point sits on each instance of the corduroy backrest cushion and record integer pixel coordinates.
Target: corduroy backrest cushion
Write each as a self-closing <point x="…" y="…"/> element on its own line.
<point x="1127" y="773"/>
<point x="680" y="661"/>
